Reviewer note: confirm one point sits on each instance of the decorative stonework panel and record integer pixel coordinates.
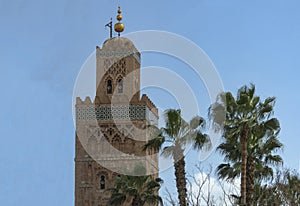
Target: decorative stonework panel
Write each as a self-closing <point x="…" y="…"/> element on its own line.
<point x="118" y="54"/>
<point x="122" y="112"/>
<point x="115" y="66"/>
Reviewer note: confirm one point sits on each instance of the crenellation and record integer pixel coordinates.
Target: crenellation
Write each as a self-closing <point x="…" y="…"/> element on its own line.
<point x="145" y="99"/>
<point x="87" y="101"/>
<point x="78" y="101"/>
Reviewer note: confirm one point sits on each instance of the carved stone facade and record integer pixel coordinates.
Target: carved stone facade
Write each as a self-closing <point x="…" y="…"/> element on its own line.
<point x="110" y="130"/>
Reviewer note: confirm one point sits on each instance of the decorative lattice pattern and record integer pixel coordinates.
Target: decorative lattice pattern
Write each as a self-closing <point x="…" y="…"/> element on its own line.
<point x="115" y="67"/>
<point x="121" y="112"/>
<point x="118" y="54"/>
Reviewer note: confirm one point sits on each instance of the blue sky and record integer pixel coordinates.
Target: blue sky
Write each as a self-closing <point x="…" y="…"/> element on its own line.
<point x="44" y="44"/>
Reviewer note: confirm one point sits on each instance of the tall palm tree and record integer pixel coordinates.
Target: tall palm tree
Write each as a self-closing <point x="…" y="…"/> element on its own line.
<point x="172" y="139"/>
<point x="248" y="126"/>
<point x="138" y="190"/>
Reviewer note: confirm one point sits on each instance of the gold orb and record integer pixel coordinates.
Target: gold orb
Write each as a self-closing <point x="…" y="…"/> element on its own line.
<point x="119" y="11"/>
<point x="119" y="17"/>
<point x="119" y="27"/>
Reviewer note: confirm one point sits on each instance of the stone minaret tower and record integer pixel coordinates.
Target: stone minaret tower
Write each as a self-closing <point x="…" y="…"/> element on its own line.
<point x="110" y="130"/>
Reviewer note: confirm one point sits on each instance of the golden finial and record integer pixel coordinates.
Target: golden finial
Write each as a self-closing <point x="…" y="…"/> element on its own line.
<point x="119" y="27"/>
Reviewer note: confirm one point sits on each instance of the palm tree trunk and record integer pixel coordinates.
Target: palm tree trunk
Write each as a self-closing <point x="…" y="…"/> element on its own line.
<point x="250" y="181"/>
<point x="179" y="164"/>
<point x="244" y="135"/>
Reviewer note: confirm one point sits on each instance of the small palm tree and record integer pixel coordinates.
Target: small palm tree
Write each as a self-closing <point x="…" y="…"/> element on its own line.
<point x="288" y="187"/>
<point x="266" y="195"/>
<point x="138" y="190"/>
<point x="283" y="190"/>
<point x="177" y="134"/>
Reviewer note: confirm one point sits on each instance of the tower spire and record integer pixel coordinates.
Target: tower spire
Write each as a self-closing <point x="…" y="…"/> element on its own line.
<point x="119" y="27"/>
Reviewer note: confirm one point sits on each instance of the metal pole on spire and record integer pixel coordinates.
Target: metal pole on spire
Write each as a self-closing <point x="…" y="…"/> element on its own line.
<point x="110" y="27"/>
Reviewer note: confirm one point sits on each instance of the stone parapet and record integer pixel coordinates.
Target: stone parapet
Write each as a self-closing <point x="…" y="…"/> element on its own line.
<point x="90" y="110"/>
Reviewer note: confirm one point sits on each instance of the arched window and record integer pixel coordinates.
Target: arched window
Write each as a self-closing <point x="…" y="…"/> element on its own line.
<point x="120" y="86"/>
<point x="102" y="182"/>
<point x="109" y="87"/>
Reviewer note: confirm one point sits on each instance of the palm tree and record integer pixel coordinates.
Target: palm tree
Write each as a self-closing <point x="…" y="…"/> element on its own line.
<point x="284" y="189"/>
<point x="287" y="187"/>
<point x="178" y="133"/>
<point x="266" y="195"/>
<point x="138" y="190"/>
<point x="250" y="136"/>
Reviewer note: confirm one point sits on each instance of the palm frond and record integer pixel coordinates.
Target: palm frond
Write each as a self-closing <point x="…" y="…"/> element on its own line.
<point x="117" y="199"/>
<point x="272" y="124"/>
<point x="173" y="121"/>
<point x="168" y="151"/>
<point x="202" y="141"/>
<point x="196" y="122"/>
<point x="155" y="143"/>
<point x="227" y="172"/>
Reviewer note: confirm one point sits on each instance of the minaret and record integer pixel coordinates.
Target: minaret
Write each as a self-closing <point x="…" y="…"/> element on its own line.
<point x="110" y="128"/>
